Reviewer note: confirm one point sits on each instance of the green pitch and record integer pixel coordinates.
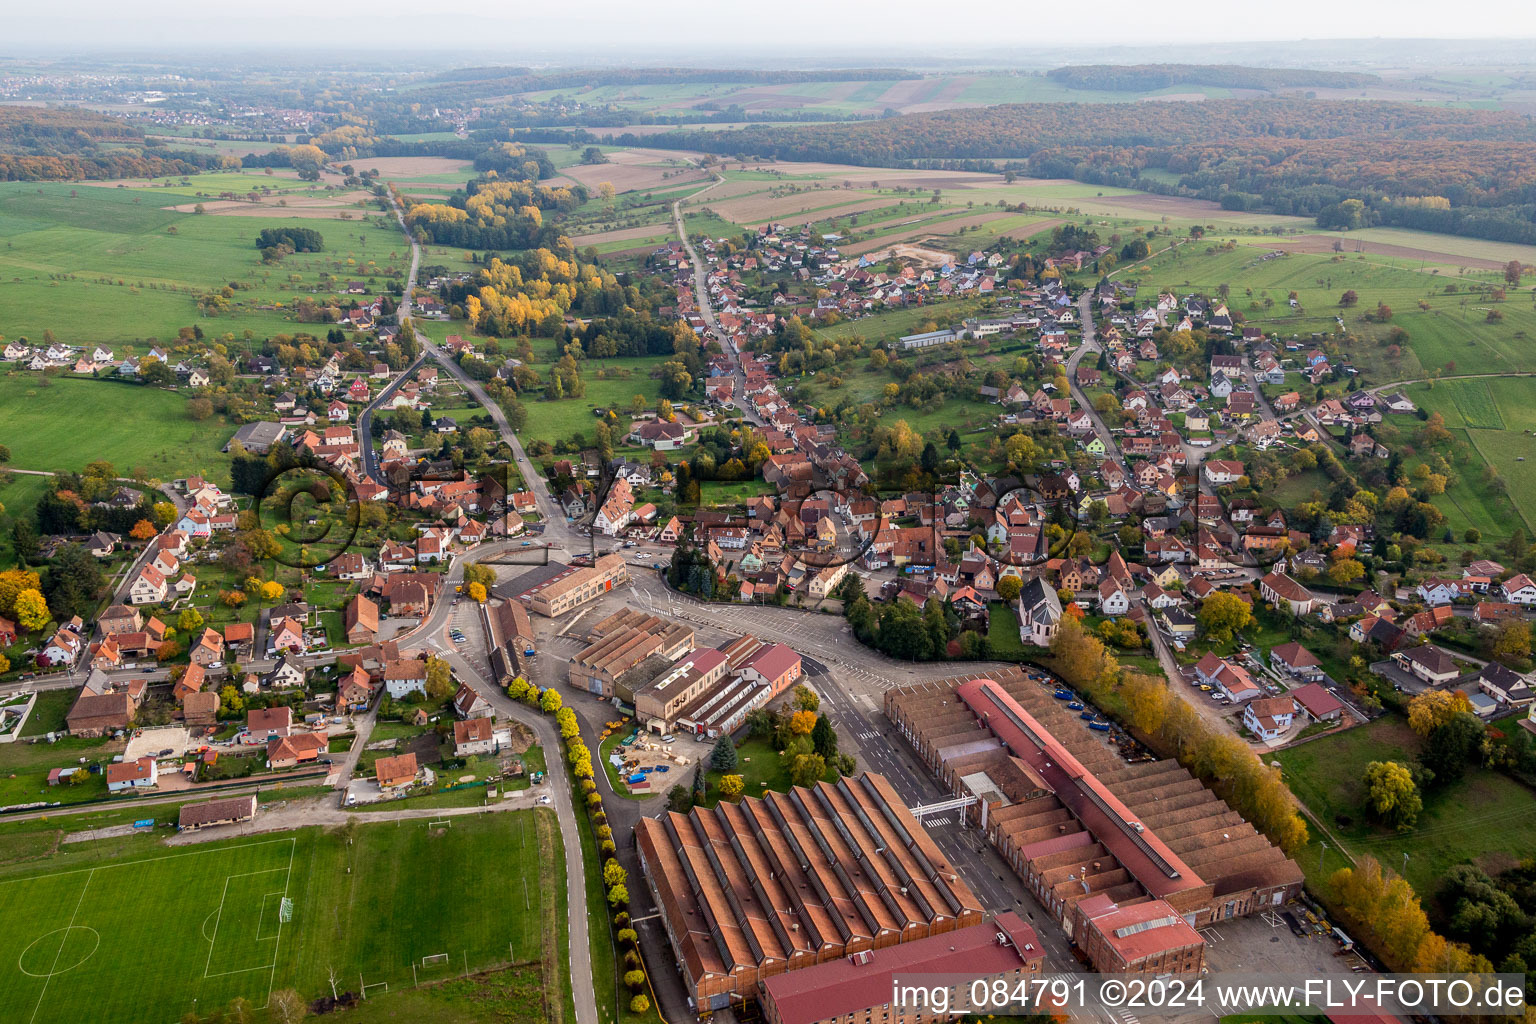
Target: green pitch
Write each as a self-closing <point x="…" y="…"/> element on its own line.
<point x="147" y="936"/>
<point x="103" y="942"/>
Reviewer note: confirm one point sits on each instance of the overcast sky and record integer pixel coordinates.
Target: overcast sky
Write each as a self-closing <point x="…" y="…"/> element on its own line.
<point x="658" y="29"/>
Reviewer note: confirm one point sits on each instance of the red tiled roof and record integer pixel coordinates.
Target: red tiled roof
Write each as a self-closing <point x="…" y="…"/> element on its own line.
<point x="848" y="984"/>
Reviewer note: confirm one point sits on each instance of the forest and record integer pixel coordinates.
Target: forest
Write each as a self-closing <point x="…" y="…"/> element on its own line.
<point x="39" y="144"/>
<point x="494" y="215"/>
<point x="1289" y="156"/>
<point x="1145" y="77"/>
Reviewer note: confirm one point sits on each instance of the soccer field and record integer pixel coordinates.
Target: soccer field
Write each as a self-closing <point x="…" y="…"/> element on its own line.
<point x="147" y="937"/>
<point x="105" y="942"/>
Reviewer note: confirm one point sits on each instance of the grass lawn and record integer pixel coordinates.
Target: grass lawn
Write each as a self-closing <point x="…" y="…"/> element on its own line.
<point x="761" y="768"/>
<point x="19" y="495"/>
<point x="722" y="492"/>
<point x="49" y="711"/>
<point x="211" y="913"/>
<point x="1486" y="818"/>
<point x="71" y="421"/>
<point x="1003" y="632"/>
<point x="115" y="265"/>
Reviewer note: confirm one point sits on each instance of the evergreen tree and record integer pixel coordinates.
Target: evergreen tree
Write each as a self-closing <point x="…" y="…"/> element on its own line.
<point x="723" y="758"/>
<point x="824" y="738"/>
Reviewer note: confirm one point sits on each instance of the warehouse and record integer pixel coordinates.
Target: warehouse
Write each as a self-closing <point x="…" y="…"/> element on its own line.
<point x="1074" y="819"/>
<point x="576" y="588"/>
<point x="752" y="890"/>
<point x="858" y="987"/>
<point x="629" y="651"/>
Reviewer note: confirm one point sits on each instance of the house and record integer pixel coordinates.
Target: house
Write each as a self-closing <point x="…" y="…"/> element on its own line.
<point x="1284" y="592"/>
<point x="1504" y="685"/>
<point x="1112" y="599"/>
<point x="1222" y="471"/>
<point x="209" y="650"/>
<point x="469" y="704"/>
<point x="405" y="677"/>
<point x="473" y="737"/>
<point x="299" y="748"/>
<point x="776" y="666"/>
<point x="660" y="435"/>
<point x="361" y="620"/>
<point x="104" y="707"/>
<point x="1269" y="717"/>
<point x="286" y="634"/>
<point x="1442" y="591"/>
<point x="1428" y="663"/>
<point x="119" y="618"/>
<point x="395" y="772"/>
<point x="263" y="724"/>
<point x="286" y="674"/>
<point x="355" y="691"/>
<point x="1519" y="590"/>
<point x="140" y="774"/>
<point x="1314" y="701"/>
<point x="1233" y="680"/>
<point x="1295" y="660"/>
<point x="148" y="587"/>
<point x="1040" y="612"/>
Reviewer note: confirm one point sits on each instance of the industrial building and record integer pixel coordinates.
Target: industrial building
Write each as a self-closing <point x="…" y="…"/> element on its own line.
<point x="629" y="648"/>
<point x="710" y="692"/>
<point x="576" y="588"/>
<point x="858" y="988"/>
<point x="784" y="882"/>
<point x="1075" y="820"/>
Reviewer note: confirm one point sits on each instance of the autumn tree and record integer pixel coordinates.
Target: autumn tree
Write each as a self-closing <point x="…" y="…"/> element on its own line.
<point x="1513" y="641"/>
<point x="31" y="609"/>
<point x="1392" y="794"/>
<point x="550" y="701"/>
<point x="1008" y="587"/>
<point x="1433" y="708"/>
<point x="439" y="679"/>
<point x="12" y="583"/>
<point x="1221" y="615"/>
<point x="476" y="592"/>
<point x="802" y="722"/>
<point x="807" y="699"/>
<point x="731" y="787"/>
<point x="142" y="530"/>
<point x="807" y="769"/>
<point x="1349" y="298"/>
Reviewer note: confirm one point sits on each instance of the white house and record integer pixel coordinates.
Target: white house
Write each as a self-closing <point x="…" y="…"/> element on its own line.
<point x="1270" y="717"/>
<point x="1112" y="599"/>
<point x="1519" y="590"/>
<point x="140" y="774"/>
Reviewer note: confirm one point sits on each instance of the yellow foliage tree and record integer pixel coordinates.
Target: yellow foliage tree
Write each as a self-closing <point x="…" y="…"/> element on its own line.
<point x="731" y="787"/>
<point x="1433" y="708"/>
<point x="802" y="722"/>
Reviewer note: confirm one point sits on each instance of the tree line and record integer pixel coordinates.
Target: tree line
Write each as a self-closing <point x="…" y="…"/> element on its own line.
<point x="1145" y="77"/>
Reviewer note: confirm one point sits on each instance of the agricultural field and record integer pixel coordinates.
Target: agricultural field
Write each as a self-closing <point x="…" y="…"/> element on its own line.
<point x="1452" y="335"/>
<point x="142" y="431"/>
<point x="1495" y="416"/>
<point x="96" y="264"/>
<point x="1479" y="819"/>
<point x="368" y="901"/>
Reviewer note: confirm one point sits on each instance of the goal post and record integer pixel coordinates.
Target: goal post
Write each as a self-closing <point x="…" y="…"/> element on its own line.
<point x="435" y="958"/>
<point x="285" y="910"/>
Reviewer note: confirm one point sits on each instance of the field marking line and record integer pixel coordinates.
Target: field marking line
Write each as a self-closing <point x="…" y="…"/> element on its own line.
<point x="149" y="860"/>
<point x="277" y="942"/>
<point x="67" y="929"/>
<point x="213" y="944"/>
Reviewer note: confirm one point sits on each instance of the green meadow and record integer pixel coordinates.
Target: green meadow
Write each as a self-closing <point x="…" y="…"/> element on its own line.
<point x="96" y="264"/>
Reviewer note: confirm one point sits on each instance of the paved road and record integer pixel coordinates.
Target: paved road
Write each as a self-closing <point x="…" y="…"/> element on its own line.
<point x="558" y="786"/>
<point x="707" y="311"/>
